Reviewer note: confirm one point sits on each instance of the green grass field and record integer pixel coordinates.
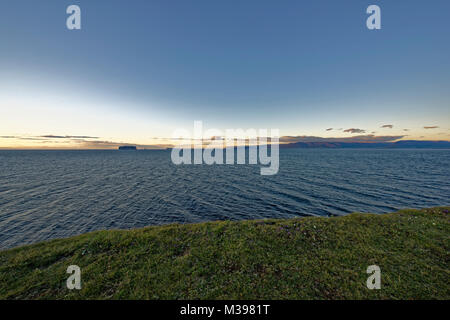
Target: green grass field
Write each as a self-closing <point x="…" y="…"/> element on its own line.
<point x="302" y="258"/>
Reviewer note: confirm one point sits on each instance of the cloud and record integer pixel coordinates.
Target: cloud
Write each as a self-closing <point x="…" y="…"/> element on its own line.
<point x="360" y="138"/>
<point x="31" y="138"/>
<point x="82" y="142"/>
<point x="405" y="129"/>
<point x="432" y="127"/>
<point x="390" y="126"/>
<point x="329" y="129"/>
<point x="50" y="136"/>
<point x="353" y="130"/>
<point x="23" y="138"/>
<point x="99" y="144"/>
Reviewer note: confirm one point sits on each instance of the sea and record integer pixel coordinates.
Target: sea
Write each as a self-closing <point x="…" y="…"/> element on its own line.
<point x="56" y="194"/>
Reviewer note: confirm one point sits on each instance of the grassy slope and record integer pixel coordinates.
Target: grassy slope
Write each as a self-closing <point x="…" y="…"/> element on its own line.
<point x="305" y="258"/>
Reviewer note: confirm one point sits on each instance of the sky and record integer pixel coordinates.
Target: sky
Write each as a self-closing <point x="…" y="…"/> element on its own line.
<point x="138" y="70"/>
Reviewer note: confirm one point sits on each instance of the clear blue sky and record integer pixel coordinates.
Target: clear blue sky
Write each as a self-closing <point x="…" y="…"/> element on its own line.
<point x="301" y="66"/>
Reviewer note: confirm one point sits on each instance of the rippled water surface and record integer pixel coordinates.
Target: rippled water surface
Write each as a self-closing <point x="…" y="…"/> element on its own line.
<point x="53" y="194"/>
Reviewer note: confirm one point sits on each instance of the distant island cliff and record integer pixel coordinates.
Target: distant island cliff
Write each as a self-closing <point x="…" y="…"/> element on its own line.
<point x="127" y="148"/>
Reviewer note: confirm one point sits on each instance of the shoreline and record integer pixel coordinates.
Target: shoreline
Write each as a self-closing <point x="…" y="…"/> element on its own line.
<point x="297" y="258"/>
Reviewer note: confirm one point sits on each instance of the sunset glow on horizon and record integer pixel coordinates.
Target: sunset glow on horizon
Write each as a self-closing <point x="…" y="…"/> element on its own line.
<point x="134" y="78"/>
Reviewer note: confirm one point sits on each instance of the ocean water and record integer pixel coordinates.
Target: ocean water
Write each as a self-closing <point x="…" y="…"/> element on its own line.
<point x="54" y="194"/>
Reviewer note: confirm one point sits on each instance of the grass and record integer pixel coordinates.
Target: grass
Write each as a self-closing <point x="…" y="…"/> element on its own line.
<point x="302" y="258"/>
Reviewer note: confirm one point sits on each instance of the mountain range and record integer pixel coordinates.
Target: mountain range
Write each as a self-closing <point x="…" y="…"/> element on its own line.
<point x="395" y="145"/>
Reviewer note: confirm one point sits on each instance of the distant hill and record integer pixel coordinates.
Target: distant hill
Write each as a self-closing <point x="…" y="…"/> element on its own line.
<point x="422" y="144"/>
<point x="395" y="145"/>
